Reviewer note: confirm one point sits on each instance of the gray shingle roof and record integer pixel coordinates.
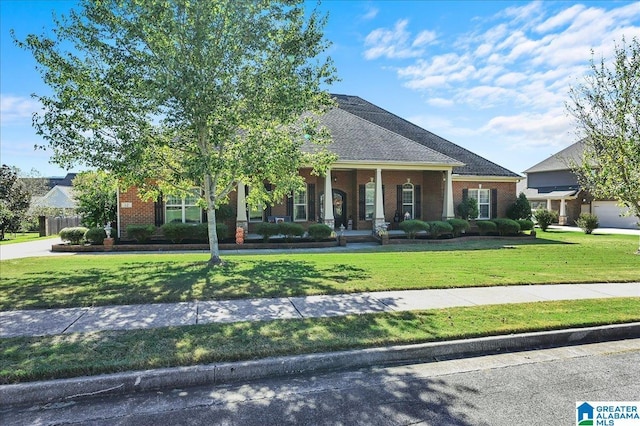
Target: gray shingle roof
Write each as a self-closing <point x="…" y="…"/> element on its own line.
<point x="560" y="160"/>
<point x="356" y="139"/>
<point x="473" y="163"/>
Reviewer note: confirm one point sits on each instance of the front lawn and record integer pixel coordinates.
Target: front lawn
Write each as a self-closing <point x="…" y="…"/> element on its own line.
<point x="39" y="358"/>
<point x="89" y="280"/>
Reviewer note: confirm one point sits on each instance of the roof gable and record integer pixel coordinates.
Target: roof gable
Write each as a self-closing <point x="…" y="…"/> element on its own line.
<point x="560" y="160"/>
<point x="472" y="164"/>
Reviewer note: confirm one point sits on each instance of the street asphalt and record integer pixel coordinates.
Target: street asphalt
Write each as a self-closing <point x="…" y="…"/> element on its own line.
<point x="73" y="320"/>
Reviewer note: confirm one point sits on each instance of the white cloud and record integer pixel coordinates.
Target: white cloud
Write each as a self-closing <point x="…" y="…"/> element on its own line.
<point x="561" y="19"/>
<point x="371" y="13"/>
<point x="440" y="102"/>
<point x="396" y="43"/>
<point x="17" y="109"/>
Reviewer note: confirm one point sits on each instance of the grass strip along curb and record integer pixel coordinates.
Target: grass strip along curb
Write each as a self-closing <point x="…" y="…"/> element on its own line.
<point x="24" y="359"/>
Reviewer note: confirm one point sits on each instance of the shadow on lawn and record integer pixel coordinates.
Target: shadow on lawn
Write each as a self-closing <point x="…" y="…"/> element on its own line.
<point x="140" y="282"/>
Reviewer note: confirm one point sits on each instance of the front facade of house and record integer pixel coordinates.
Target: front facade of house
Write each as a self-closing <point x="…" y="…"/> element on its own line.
<point x="552" y="185"/>
<point x="388" y="170"/>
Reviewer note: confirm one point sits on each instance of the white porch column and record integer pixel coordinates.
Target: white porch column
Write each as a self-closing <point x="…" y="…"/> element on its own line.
<point x="562" y="218"/>
<point x="549" y="204"/>
<point x="378" y="217"/>
<point x="447" y="208"/>
<point x="241" y="203"/>
<point x="328" y="218"/>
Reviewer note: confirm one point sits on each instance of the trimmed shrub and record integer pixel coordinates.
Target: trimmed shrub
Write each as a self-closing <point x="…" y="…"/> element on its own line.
<point x="140" y="233"/>
<point x="521" y="209"/>
<point x="459" y="225"/>
<point x="319" y="231"/>
<point x="200" y="232"/>
<point x="290" y="230"/>
<point x="176" y="231"/>
<point x="74" y="234"/>
<point x="438" y="228"/>
<point x="95" y="236"/>
<point x="468" y="209"/>
<point x="486" y="227"/>
<point x="412" y="227"/>
<point x="525" y="224"/>
<point x="507" y="226"/>
<point x="587" y="222"/>
<point x="267" y="230"/>
<point x="545" y="218"/>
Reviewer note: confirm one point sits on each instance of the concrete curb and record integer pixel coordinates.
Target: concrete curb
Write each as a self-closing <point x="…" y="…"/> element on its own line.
<point x="65" y="390"/>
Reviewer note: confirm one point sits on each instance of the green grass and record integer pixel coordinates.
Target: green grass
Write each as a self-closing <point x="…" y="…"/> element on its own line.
<point x="38" y="358"/>
<point x="91" y="280"/>
<point x="23" y="237"/>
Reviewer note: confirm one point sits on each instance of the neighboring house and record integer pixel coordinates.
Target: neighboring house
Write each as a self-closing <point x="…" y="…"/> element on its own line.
<point x="552" y="185"/>
<point x="58" y="197"/>
<point x="387" y="169"/>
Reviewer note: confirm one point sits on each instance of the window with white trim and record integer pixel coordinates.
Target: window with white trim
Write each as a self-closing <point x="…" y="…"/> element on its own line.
<point x="183" y="210"/>
<point x="483" y="197"/>
<point x="370" y="200"/>
<point x="407" y="200"/>
<point x="300" y="205"/>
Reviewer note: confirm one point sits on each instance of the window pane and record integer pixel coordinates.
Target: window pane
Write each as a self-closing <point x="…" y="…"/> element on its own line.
<point x="300" y="198"/>
<point x="407" y="197"/>
<point x="300" y="212"/>
<point x="255" y="214"/>
<point x="173" y="214"/>
<point x="484" y="196"/>
<point x="484" y="211"/>
<point x="173" y="200"/>
<point x="369" y="212"/>
<point x="192" y="214"/>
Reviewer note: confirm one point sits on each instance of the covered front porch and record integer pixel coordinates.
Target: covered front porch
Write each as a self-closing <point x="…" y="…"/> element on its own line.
<point x="362" y="198"/>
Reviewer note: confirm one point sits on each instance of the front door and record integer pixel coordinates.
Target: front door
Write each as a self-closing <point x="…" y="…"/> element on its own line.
<point x="340" y="208"/>
<point x="339" y="202"/>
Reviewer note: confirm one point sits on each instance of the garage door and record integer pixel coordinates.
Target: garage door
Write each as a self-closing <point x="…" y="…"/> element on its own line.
<point x="608" y="214"/>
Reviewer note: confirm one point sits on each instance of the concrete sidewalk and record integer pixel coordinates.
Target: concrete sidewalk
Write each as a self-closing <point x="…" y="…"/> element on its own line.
<point x="129" y="317"/>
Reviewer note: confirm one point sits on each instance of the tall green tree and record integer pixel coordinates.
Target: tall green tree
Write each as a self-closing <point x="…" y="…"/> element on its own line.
<point x="14" y="200"/>
<point x="166" y="94"/>
<point x="606" y="107"/>
<point x="96" y="195"/>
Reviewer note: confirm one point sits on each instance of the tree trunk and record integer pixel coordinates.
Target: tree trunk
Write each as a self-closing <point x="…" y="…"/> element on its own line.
<point x="209" y="193"/>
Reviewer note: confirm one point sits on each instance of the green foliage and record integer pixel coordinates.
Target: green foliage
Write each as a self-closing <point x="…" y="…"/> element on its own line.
<point x="96" y="195"/>
<point x="95" y="235"/>
<point x="521" y="209"/>
<point x="14" y="201"/>
<point x="587" y="222"/>
<point x="225" y="212"/>
<point x="179" y="232"/>
<point x="267" y="230"/>
<point x="486" y="227"/>
<point x="210" y="92"/>
<point x="458" y="225"/>
<point x="290" y="230"/>
<point x="525" y="225"/>
<point x="413" y="226"/>
<point x="176" y="232"/>
<point x="437" y="228"/>
<point x="607" y="111"/>
<point x="468" y="209"/>
<point x="75" y="234"/>
<point x="507" y="226"/>
<point x="140" y="233"/>
<point x="545" y="218"/>
<point x="319" y="231"/>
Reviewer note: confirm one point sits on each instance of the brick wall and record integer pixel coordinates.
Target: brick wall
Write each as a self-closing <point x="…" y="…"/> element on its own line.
<point x="506" y="193"/>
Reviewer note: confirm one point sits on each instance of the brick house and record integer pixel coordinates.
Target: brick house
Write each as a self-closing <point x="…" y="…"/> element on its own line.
<point x="388" y="169"/>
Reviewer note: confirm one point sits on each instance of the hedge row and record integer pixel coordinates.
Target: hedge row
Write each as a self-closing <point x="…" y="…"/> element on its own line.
<point x="455" y="227"/>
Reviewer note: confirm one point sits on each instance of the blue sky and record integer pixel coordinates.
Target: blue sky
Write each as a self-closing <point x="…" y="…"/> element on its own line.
<point x="491" y="76"/>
